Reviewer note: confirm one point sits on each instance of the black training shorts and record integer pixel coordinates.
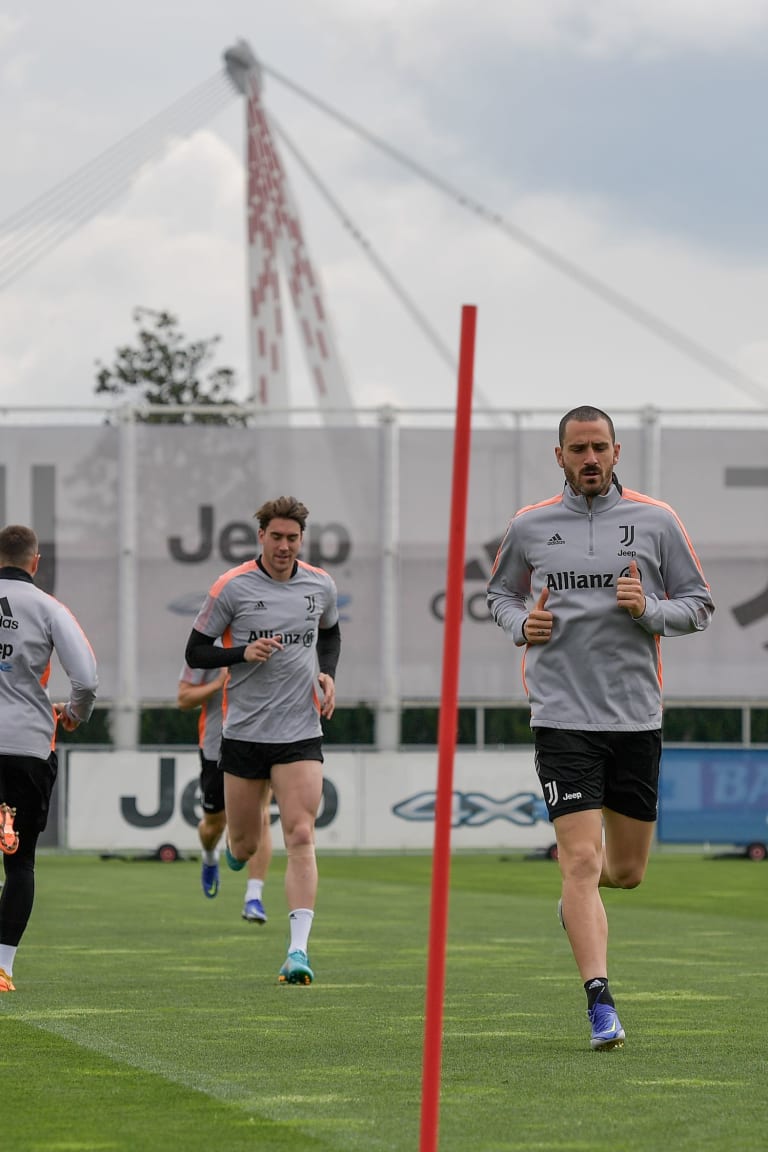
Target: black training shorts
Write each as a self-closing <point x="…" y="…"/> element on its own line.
<point x="580" y="771"/>
<point x="211" y="786"/>
<point x="26" y="784"/>
<point x="255" y="761"/>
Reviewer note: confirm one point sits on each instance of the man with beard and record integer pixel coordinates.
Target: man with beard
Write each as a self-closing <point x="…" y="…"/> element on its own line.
<point x="589" y="581"/>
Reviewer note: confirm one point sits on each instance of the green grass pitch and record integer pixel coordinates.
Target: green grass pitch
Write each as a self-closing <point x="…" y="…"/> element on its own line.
<point x="148" y="1017"/>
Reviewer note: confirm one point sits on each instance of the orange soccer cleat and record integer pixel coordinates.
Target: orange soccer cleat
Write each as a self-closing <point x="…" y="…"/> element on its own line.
<point x="6" y="984"/>
<point x="9" y="839"/>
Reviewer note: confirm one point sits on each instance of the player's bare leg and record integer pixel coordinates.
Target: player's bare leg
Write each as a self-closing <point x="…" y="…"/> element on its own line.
<point x="627" y="848"/>
<point x="244" y="802"/>
<point x="209" y="832"/>
<point x="258" y="866"/>
<point x="210" y="828"/>
<point x="585" y="864"/>
<point x="298" y="790"/>
<point x="580" y="857"/>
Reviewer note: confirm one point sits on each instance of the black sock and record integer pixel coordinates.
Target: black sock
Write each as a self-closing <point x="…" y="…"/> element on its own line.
<point x="597" y="989"/>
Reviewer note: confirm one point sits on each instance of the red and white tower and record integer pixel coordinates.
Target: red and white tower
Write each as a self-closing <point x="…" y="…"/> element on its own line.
<point x="276" y="242"/>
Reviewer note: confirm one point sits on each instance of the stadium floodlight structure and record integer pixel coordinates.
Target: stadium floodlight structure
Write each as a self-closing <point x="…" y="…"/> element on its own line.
<point x="276" y="240"/>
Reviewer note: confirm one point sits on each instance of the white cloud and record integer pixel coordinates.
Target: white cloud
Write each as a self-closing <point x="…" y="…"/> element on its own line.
<point x="539" y="333"/>
<point x="9" y="26"/>
<point x="177" y="240"/>
<point x="655" y="27"/>
<point x="175" y="244"/>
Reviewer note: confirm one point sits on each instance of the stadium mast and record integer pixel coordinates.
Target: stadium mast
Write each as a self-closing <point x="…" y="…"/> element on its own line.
<point x="275" y="237"/>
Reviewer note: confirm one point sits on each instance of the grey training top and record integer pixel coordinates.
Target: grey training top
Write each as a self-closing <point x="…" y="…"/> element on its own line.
<point x="33" y="625"/>
<point x="601" y="669"/>
<point x="276" y="701"/>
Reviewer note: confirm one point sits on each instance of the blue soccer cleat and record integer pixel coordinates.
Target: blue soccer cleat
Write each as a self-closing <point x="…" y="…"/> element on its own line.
<point x="607" y="1031"/>
<point x="253" y="912"/>
<point x="209" y="879"/>
<point x="296" y="969"/>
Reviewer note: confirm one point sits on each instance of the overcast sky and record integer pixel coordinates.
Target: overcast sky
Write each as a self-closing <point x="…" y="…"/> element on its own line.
<point x="625" y="136"/>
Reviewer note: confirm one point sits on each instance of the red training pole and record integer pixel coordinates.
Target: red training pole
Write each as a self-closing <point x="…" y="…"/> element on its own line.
<point x="441" y="859"/>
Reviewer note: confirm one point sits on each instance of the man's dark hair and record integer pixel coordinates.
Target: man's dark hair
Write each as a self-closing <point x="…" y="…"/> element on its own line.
<point x="585" y="412"/>
<point x="18" y="545"/>
<point x="283" y="508"/>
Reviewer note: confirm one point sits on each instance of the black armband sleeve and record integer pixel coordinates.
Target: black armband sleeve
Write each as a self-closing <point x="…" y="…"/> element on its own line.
<point x="328" y="648"/>
<point x="201" y="652"/>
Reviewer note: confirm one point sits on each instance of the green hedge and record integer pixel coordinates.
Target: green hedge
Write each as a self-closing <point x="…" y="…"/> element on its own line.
<point x="419" y="726"/>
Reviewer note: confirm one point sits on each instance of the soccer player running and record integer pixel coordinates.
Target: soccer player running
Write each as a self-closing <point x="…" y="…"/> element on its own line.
<point x="609" y="571"/>
<point x="278" y="621"/>
<point x="203" y="688"/>
<point x="34" y="624"/>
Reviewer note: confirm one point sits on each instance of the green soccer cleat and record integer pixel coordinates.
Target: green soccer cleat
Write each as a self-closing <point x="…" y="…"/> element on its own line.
<point x="296" y="969"/>
<point x="232" y="862"/>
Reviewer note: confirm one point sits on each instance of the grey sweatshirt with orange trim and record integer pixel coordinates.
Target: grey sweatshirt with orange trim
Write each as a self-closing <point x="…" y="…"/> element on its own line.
<point x="33" y="625"/>
<point x="275" y="701"/>
<point x="601" y="669"/>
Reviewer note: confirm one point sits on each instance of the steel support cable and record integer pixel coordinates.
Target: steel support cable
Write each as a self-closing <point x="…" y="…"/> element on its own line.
<point x="416" y="314"/>
<point x="52" y="217"/>
<point x="40" y="203"/>
<point x="79" y="201"/>
<point x="83" y="202"/>
<point x="364" y="243"/>
<point x="136" y="143"/>
<point x="641" y="316"/>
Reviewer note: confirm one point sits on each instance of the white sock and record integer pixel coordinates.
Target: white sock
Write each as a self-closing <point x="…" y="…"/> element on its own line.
<point x="210" y="855"/>
<point x="254" y="890"/>
<point x="7" y="954"/>
<point x="300" y="922"/>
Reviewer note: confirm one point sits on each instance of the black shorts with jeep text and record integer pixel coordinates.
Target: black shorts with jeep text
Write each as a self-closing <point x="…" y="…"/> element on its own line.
<point x="580" y="771"/>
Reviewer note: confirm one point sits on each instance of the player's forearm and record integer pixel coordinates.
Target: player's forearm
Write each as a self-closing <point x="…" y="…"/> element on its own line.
<point x="195" y="695"/>
<point x="82" y="698"/>
<point x="202" y="652"/>
<point x="328" y="649"/>
<point x="676" y="617"/>
<point x="510" y="613"/>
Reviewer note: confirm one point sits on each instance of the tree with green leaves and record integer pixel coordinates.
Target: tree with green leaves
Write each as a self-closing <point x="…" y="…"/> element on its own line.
<point x="165" y="368"/>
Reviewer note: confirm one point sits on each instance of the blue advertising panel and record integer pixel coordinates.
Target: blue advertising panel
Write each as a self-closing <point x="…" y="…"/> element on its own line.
<point x="714" y="795"/>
